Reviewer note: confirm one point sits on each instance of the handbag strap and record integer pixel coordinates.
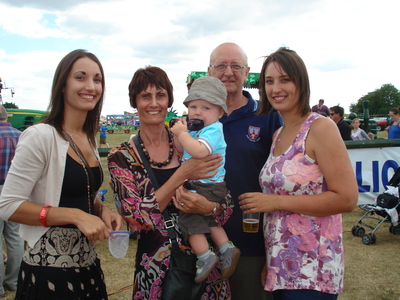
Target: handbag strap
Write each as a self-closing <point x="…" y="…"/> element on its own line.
<point x="83" y="159"/>
<point x="169" y="225"/>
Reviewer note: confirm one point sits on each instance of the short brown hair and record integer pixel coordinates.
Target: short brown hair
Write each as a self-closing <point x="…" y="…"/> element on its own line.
<point x="149" y="76"/>
<point x="294" y="66"/>
<point x="337" y="110"/>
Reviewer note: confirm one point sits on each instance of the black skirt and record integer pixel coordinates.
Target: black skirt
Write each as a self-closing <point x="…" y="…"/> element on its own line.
<point x="62" y="265"/>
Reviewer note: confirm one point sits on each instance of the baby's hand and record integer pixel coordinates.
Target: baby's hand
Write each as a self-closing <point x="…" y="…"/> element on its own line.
<point x="179" y="127"/>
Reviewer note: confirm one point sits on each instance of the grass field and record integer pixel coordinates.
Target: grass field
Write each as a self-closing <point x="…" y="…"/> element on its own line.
<point x="372" y="272"/>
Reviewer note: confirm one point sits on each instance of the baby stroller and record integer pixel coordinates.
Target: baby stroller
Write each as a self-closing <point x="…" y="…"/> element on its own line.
<point x="386" y="209"/>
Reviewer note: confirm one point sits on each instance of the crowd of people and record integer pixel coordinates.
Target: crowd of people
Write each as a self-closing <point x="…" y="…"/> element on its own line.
<point x="277" y="156"/>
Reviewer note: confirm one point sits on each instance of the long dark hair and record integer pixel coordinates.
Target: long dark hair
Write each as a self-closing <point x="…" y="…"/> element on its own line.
<point x="55" y="116"/>
<point x="149" y="76"/>
<point x="294" y="66"/>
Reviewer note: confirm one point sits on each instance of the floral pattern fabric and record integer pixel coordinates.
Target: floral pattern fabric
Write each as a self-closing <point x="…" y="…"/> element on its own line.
<point x="135" y="199"/>
<point x="303" y="252"/>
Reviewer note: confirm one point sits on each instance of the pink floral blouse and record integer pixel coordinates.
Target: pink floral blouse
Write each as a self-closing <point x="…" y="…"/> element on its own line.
<point x="303" y="252"/>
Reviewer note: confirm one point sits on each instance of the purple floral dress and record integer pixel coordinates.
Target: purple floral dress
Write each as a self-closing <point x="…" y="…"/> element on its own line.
<point x="303" y="252"/>
<point x="135" y="199"/>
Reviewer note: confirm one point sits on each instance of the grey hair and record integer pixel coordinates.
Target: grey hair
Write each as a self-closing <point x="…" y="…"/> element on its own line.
<point x="3" y="113"/>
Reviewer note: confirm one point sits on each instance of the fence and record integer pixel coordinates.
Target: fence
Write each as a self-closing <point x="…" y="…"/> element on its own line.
<point x="374" y="163"/>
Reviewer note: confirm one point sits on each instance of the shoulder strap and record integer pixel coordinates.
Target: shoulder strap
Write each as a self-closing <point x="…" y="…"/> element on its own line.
<point x="167" y="217"/>
<point x="145" y="162"/>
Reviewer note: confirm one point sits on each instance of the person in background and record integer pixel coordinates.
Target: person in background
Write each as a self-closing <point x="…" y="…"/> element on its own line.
<point x="206" y="102"/>
<point x="189" y="84"/>
<point x="371" y="136"/>
<point x="248" y="137"/>
<point x="1" y="87"/>
<point x="103" y="135"/>
<point x="336" y="113"/>
<point x="303" y="196"/>
<point x="15" y="245"/>
<point x="150" y="92"/>
<point x="358" y="134"/>
<point x="394" y="128"/>
<point x="321" y="108"/>
<point x="51" y="189"/>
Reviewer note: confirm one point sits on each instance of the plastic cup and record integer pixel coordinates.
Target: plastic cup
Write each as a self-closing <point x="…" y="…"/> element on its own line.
<point x="118" y="243"/>
<point x="251" y="222"/>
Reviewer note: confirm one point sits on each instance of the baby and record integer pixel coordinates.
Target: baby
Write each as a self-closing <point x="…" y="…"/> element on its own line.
<point x="206" y="103"/>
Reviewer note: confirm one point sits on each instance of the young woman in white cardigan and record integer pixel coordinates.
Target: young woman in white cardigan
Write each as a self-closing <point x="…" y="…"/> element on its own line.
<point x="51" y="189"/>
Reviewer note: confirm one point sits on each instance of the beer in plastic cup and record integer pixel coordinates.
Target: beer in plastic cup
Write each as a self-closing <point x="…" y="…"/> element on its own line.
<point x="251" y="222"/>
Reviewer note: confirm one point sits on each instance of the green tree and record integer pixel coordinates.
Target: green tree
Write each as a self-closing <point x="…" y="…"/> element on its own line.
<point x="380" y="101"/>
<point x="10" y="105"/>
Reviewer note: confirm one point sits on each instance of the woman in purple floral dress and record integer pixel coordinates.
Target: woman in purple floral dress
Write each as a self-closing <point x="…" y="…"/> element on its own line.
<point x="141" y="206"/>
<point x="307" y="183"/>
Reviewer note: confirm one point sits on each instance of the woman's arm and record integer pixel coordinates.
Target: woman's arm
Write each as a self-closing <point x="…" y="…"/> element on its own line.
<point x="192" y="169"/>
<point x="25" y="192"/>
<point x="112" y="220"/>
<point x="325" y="145"/>
<point x="134" y="194"/>
<point x="195" y="203"/>
<point x="26" y="170"/>
<point x="91" y="226"/>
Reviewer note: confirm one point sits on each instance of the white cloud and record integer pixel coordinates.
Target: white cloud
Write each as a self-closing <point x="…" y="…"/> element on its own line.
<point x="349" y="47"/>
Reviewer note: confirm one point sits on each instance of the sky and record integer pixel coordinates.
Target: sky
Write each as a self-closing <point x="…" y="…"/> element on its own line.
<point x="350" y="47"/>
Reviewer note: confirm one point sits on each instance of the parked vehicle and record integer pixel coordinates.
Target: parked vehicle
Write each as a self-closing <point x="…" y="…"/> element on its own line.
<point x="382" y="123"/>
<point x="23" y="118"/>
<point x="121" y="127"/>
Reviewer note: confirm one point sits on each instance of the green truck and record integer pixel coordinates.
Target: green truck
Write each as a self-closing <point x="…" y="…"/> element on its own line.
<point x="23" y="118"/>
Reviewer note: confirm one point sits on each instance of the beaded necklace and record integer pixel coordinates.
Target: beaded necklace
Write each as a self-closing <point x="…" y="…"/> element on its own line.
<point x="170" y="153"/>
<point x="88" y="171"/>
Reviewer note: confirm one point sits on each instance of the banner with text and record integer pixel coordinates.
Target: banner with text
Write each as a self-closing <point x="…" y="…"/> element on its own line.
<point x="374" y="167"/>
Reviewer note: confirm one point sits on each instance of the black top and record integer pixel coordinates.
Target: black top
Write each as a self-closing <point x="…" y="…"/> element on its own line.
<point x="163" y="175"/>
<point x="74" y="193"/>
<point x="345" y="130"/>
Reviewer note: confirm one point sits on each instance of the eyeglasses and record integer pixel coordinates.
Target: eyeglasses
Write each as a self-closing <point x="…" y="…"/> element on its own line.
<point x="222" y="67"/>
<point x="333" y="114"/>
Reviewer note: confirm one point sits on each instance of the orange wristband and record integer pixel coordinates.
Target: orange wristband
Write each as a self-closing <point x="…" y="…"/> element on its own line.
<point x="43" y="215"/>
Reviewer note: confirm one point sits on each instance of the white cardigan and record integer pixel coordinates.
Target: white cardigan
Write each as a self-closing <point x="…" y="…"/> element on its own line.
<point x="36" y="174"/>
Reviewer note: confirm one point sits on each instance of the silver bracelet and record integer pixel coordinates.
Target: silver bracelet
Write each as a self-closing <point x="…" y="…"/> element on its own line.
<point x="213" y="211"/>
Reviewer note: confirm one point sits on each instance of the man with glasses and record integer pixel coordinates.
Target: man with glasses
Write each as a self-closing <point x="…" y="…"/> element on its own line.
<point x="344" y="128"/>
<point x="248" y="138"/>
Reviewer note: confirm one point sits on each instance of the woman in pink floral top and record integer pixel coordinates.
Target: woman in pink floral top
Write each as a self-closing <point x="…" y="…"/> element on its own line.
<point x="307" y="183"/>
<point x="141" y="205"/>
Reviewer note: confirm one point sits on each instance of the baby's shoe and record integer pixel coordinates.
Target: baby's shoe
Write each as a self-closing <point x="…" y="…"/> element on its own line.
<point x="204" y="267"/>
<point x="229" y="260"/>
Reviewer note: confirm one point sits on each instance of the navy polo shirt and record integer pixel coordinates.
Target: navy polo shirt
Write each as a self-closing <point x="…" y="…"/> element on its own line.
<point x="248" y="138"/>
